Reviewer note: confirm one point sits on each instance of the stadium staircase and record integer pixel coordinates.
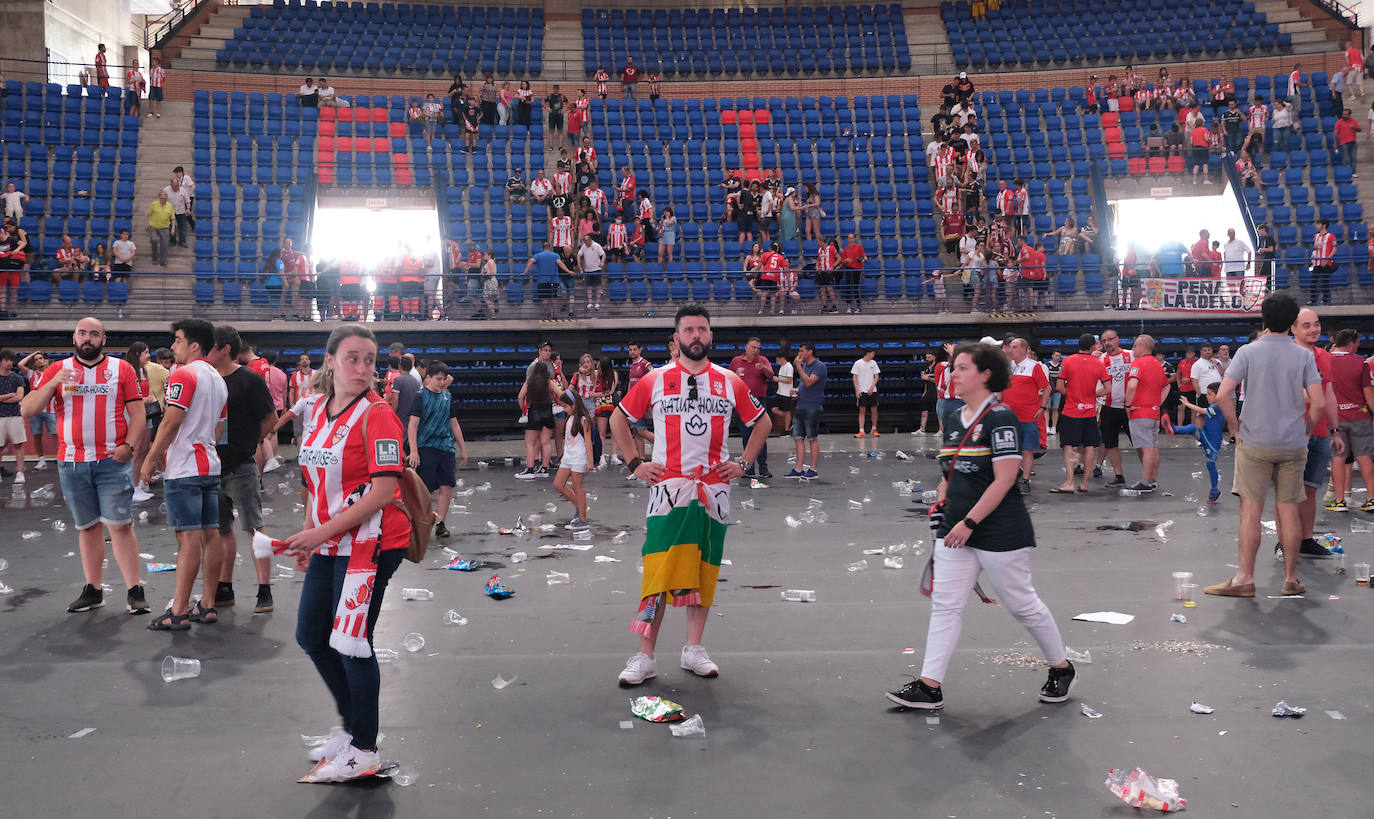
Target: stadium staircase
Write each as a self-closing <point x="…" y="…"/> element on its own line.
<point x="927" y="42"/>
<point x="164" y="143"/>
<point x="199" y="55"/>
<point x="563" y="51"/>
<point x="1306" y="37"/>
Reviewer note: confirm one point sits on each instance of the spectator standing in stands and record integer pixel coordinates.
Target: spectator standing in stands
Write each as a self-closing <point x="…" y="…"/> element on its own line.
<point x="524" y="104"/>
<point x="852" y="259"/>
<point x="1200" y="139"/>
<point x="667" y="235"/>
<point x="134" y="85"/>
<point x="865" y="373"/>
<point x="1033" y="279"/>
<point x="1336" y="85"/>
<point x="553" y="108"/>
<point x="504" y="100"/>
<point x="1235" y="255"/>
<point x="755" y="371"/>
<point x="591" y="262"/>
<point x="490" y="96"/>
<point x="601" y="78"/>
<point x="806" y="420"/>
<point x="161" y="214"/>
<point x="456" y="102"/>
<point x="1346" y="139"/>
<point x="1264" y="254"/>
<point x="156" y="76"/>
<point x="14" y="202"/>
<point x="1295" y="87"/>
<point x="180" y="202"/>
<point x="655" y="82"/>
<point x="1231" y="119"/>
<point x="472" y="122"/>
<point x="1282" y="124"/>
<point x="309" y="94"/>
<point x="1355" y="73"/>
<point x="1323" y="264"/>
<point x="813" y="213"/>
<point x="629" y="78"/>
<point x="102" y="72"/>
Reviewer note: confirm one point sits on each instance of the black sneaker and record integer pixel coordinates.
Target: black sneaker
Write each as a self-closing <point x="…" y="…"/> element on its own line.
<point x="1058" y="685"/>
<point x="766" y="475"/>
<point x="264" y="603"/>
<point x="1311" y="548"/>
<point x="224" y="596"/>
<point x="1097" y="471"/>
<point x="1078" y="469"/>
<point x="541" y="472"/>
<point x="917" y="694"/>
<point x="138" y="604"/>
<point x="1118" y="481"/>
<point x="91" y="598"/>
<point x="440" y="530"/>
<point x="526" y="474"/>
<point x="1143" y="487"/>
<point x="1023" y="484"/>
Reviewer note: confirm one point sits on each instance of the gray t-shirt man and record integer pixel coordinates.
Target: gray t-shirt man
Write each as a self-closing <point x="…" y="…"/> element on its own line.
<point x="1275" y="373"/>
<point x="812" y="397"/>
<point x="405" y="389"/>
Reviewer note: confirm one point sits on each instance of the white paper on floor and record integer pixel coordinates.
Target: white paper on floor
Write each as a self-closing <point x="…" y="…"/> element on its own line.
<point x="88" y="731"/>
<point x="1114" y="618"/>
<point x="576" y="547"/>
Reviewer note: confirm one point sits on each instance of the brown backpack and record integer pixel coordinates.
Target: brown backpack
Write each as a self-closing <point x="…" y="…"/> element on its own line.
<point x="414" y="503"/>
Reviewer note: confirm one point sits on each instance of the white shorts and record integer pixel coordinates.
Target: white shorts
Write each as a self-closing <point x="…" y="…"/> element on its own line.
<point x="12" y="431"/>
<point x="573" y="461"/>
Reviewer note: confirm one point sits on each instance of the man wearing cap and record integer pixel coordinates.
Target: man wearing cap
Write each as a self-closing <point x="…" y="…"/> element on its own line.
<point x="963" y="89"/>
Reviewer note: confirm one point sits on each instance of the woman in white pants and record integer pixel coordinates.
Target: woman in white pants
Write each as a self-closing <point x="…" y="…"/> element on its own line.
<point x="982" y="526"/>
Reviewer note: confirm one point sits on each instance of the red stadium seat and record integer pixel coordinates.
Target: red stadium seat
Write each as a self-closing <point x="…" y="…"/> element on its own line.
<point x="362" y="114"/>
<point x="1110" y="119"/>
<point x="728" y="117"/>
<point x="1135" y="164"/>
<point x="380" y="145"/>
<point x="1126" y="104"/>
<point x="327" y="128"/>
<point x="398" y="130"/>
<point x="1158" y="165"/>
<point x="344" y="145"/>
<point x="327" y="114"/>
<point x="1175" y="164"/>
<point x="746" y="117"/>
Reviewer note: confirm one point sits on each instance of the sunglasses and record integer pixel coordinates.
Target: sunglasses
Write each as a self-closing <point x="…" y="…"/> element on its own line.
<point x="692" y="390"/>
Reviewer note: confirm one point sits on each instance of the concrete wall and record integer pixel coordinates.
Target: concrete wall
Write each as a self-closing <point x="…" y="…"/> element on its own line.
<point x="21" y="40"/>
<point x="73" y="28"/>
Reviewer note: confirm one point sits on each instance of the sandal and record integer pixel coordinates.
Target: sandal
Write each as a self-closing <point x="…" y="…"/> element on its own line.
<point x="169" y="622"/>
<point x="202" y="615"/>
<point x="1058" y="491"/>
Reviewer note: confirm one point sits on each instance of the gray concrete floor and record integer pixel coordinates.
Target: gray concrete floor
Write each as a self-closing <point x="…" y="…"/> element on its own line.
<point x="796" y="723"/>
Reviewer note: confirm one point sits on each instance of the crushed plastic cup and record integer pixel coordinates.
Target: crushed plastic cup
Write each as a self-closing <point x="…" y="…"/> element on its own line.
<point x="857" y="566"/>
<point x="799" y="595"/>
<point x="582" y="535"/>
<point x="417" y="594"/>
<point x="413" y="642"/>
<point x="1181" y="578"/>
<point x="893" y="562"/>
<point x="492" y="527"/>
<point x="1137" y="788"/>
<point x="1203" y="511"/>
<point x="1089" y="712"/>
<point x="558" y="578"/>
<point x="485" y="486"/>
<point x="31" y="534"/>
<point x="895" y="549"/>
<point x="1130" y="493"/>
<point x="821" y="516"/>
<point x="5" y="589"/>
<point x="1199" y="708"/>
<point x="691" y="727"/>
<point x="1190" y="498"/>
<point x="498" y="682"/>
<point x="1178" y="618"/>
<point x="1079" y="657"/>
<point x="853" y="504"/>
<point x="550" y="508"/>
<point x="179" y="668"/>
<point x="4" y="564"/>
<point x="1162" y="530"/>
<point x="386" y="655"/>
<point x="519" y="557"/>
<point x="868" y="499"/>
<point x="791" y="522"/>
<point x="620" y="537"/>
<point x="814" y="503"/>
<point x="853" y="470"/>
<point x="1283" y="709"/>
<point x="808" y="516"/>
<point x="901" y="456"/>
<point x="748" y="503"/>
<point x="405" y="776"/>
<point x="453" y="618"/>
<point x="930" y="496"/>
<point x="1197" y="476"/>
<point x="59" y="526"/>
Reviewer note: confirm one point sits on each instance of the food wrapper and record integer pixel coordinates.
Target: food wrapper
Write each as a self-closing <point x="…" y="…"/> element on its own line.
<point x="655" y="709"/>
<point x="161" y="567"/>
<point x="1138" y="789"/>
<point x="498" y="590"/>
<point x="1283" y="709"/>
<point x="462" y="564"/>
<point x="265" y="546"/>
<point x="1199" y="708"/>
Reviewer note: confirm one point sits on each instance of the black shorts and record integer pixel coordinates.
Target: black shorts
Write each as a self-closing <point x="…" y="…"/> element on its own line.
<point x="555" y="122"/>
<point x="868" y="399"/>
<point x="951" y="245"/>
<point x="592" y="279"/>
<point x="825" y="278"/>
<point x="785" y="403"/>
<point x="767" y="285"/>
<point x="1113" y="421"/>
<point x="545" y="290"/>
<point x="1078" y="432"/>
<point x="155" y="93"/>
<point x="1201" y="399"/>
<point x="746" y="223"/>
<point x="540" y="418"/>
<point x="437" y="468"/>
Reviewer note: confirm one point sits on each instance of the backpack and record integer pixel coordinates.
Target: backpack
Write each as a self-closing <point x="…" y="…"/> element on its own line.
<point x="414" y="503"/>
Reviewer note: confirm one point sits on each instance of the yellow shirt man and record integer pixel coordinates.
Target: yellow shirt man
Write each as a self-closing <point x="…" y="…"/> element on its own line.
<point x="160" y="215"/>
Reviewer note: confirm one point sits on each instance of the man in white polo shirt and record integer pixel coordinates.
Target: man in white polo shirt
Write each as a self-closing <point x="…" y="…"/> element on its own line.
<point x="1235" y="256"/>
<point x="865" y="372"/>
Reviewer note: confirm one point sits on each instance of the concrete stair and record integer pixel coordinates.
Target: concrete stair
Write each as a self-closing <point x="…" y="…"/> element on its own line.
<point x="1307" y="38"/>
<point x="164" y="143"/>
<point x="928" y="43"/>
<point x="199" y="54"/>
<point x="563" y="48"/>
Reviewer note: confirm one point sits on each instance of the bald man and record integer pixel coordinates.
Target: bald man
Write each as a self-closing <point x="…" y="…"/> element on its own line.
<point x="100" y="422"/>
<point x="1026" y="396"/>
<point x="1147" y="387"/>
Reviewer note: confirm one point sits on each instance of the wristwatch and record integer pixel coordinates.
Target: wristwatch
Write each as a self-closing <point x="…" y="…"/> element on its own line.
<point x="634" y="464"/>
<point x="743" y="464"/>
<point x="971" y="524"/>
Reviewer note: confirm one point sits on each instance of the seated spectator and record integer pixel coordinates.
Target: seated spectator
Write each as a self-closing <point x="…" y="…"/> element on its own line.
<point x="1183" y="95"/>
<point x="70" y="261"/>
<point x="540" y="188"/>
<point x="1068" y="235"/>
<point x="415" y="113"/>
<point x="325" y="92"/>
<point x="516" y="190"/>
<point x="100" y="263"/>
<point x="309" y="94"/>
<point x="1173" y="141"/>
<point x="1154" y="143"/>
<point x="14" y="201"/>
<point x="1246" y="168"/>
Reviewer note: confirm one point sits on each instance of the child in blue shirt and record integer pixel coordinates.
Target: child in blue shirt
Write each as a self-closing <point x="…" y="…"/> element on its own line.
<point x="1209" y="433"/>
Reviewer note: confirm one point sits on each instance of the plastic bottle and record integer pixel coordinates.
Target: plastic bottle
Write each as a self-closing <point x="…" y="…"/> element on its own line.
<point x="799" y="595"/>
<point x="417" y="594"/>
<point x="1130" y="493"/>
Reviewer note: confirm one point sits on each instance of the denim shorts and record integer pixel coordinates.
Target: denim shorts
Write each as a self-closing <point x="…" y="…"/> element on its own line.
<point x="1318" y="461"/>
<point x="1030" y="436"/>
<point x="43" y="421"/>
<point x="98" y="492"/>
<point x="192" y="503"/>
<point x="806" y="423"/>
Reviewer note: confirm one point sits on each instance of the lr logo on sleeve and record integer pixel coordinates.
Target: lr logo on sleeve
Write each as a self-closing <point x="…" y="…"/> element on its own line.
<point x="1004" y="440"/>
<point x="174" y="392"/>
<point x="388" y="451"/>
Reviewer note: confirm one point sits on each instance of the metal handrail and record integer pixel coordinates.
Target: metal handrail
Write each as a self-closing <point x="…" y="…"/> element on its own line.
<point x="1346" y="14"/>
<point x="158" y="31"/>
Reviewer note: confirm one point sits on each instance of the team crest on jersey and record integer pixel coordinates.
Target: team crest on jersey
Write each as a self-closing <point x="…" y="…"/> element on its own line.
<point x="696" y="425"/>
<point x="1004" y="438"/>
<point x="340" y="433"/>
<point x="174" y="392"/>
<point x="717" y="388"/>
<point x="977" y="431"/>
<point x="388" y="452"/>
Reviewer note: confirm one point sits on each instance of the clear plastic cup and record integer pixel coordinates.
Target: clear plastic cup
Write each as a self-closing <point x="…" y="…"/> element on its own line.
<point x="1180" y="578"/>
<point x="1188" y="591"/>
<point x="413" y="642"/>
<point x="179" y="668"/>
<point x="1361" y="574"/>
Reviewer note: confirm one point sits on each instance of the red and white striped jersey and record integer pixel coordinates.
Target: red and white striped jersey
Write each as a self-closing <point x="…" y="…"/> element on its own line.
<point x="260" y="366"/>
<point x="562" y="182"/>
<point x="155" y="75"/>
<point x="389" y="381"/>
<point x="1006" y="202"/>
<point x="944" y="164"/>
<point x="35" y="377"/>
<point x="339" y="463"/>
<point x="598" y="199"/>
<point x="133" y="79"/>
<point x="947" y="199"/>
<point x="654" y="82"/>
<point x="691" y="434"/>
<point x="1259" y="114"/>
<point x="601" y="78"/>
<point x="944" y="384"/>
<point x="587" y="155"/>
<point x="300" y="383"/>
<point x="646" y="209"/>
<point x="829" y="258"/>
<point x="90" y="408"/>
<point x="1324" y="248"/>
<point x="561" y="230"/>
<point x="199" y="390"/>
<point x="1117" y="367"/>
<point x="615" y="233"/>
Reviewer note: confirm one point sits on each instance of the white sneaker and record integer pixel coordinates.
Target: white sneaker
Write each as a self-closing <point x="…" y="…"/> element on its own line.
<point x="142" y="494"/>
<point x="1050" y="431"/>
<point x="339" y="739"/>
<point x="272" y="463"/>
<point x="615" y="459"/>
<point x="19" y="477"/>
<point x="351" y="763"/>
<point x="42" y="464"/>
<point x="638" y="669"/>
<point x="695" y="660"/>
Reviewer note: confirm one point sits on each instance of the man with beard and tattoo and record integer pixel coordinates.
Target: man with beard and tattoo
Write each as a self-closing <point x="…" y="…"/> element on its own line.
<point x="100" y="422"/>
<point x="691" y="401"/>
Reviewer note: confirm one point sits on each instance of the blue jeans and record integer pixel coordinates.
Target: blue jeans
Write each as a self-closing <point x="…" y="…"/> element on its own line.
<point x="944" y="406"/>
<point x="354" y="682"/>
<point x="1348" y="153"/>
<point x="761" y="463"/>
<point x="1281" y="138"/>
<point x="806" y="424"/>
<point x="98" y="492"/>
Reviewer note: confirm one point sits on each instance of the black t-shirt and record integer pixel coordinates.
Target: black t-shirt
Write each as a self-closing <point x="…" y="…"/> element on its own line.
<point x="747" y="203"/>
<point x="248" y="402"/>
<point x="14" y="382"/>
<point x="1266" y="248"/>
<point x="996" y="437"/>
<point x="555" y="103"/>
<point x="964" y="90"/>
<point x="947" y="94"/>
<point x="1232" y="118"/>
